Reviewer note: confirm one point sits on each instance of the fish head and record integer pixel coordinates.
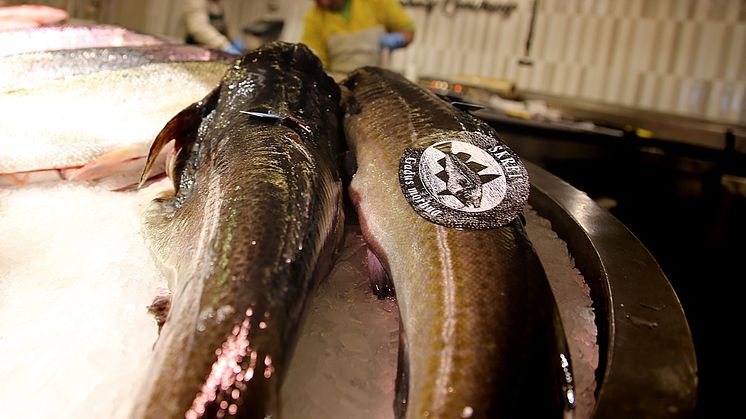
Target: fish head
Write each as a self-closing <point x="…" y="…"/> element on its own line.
<point x="274" y="95"/>
<point x="251" y="92"/>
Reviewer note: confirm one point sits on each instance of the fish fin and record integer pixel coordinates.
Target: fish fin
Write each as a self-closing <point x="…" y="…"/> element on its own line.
<point x="467" y="106"/>
<point x="447" y="96"/>
<point x="456" y="100"/>
<point x="379" y="278"/>
<point x="129" y="187"/>
<point x="110" y="162"/>
<point x="182" y="128"/>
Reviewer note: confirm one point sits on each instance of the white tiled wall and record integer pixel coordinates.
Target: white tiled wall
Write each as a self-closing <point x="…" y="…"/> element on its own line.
<point x="677" y="56"/>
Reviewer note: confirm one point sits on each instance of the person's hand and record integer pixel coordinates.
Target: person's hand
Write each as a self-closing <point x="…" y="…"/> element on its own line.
<point x="392" y="40"/>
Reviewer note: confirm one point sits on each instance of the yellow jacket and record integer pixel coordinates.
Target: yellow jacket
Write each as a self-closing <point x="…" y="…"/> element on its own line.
<point x="319" y="25"/>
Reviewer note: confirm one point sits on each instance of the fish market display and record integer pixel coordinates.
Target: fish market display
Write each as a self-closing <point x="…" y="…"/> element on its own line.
<point x="251" y="227"/>
<point x="344" y="365"/>
<point x="99" y="120"/>
<point x="48" y="38"/>
<point x="23" y="70"/>
<point x="438" y="196"/>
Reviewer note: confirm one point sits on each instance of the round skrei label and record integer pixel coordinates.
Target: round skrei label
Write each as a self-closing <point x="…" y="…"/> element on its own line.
<point x="458" y="184"/>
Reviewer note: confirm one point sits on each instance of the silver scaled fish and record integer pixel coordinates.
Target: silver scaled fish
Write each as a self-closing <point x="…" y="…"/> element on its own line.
<point x="25" y="70"/>
<point x="57" y="37"/>
<point x="251" y="227"/>
<point x="438" y="197"/>
<point x="88" y="126"/>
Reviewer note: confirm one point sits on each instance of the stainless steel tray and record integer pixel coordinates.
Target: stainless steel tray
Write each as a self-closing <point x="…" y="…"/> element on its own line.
<point x="647" y="365"/>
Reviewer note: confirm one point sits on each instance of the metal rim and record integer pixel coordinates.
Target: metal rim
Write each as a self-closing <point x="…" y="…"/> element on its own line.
<point x="647" y="365"/>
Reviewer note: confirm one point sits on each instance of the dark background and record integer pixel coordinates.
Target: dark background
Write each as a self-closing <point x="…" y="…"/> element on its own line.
<point x="681" y="203"/>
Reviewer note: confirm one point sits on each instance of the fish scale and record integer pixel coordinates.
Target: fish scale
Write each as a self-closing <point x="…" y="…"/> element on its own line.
<point x="480" y="336"/>
<point x="246" y="235"/>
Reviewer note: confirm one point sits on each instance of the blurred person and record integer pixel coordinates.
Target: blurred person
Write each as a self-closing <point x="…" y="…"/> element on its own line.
<point x="204" y="21"/>
<point x="29" y="15"/>
<point x="347" y="34"/>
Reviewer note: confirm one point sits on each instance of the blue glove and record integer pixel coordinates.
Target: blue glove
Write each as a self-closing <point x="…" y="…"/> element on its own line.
<point x="236" y="47"/>
<point x="239" y="43"/>
<point x="392" y="40"/>
<point x="231" y="49"/>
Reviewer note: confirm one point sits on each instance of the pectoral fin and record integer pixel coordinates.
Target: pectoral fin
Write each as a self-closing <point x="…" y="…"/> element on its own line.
<point x="182" y="128"/>
<point x="113" y="161"/>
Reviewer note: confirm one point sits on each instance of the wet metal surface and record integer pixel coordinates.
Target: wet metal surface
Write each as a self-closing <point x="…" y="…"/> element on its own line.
<point x="647" y="362"/>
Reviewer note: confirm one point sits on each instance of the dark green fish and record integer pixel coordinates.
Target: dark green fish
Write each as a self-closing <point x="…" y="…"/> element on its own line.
<point x="252" y="226"/>
<point x="438" y="197"/>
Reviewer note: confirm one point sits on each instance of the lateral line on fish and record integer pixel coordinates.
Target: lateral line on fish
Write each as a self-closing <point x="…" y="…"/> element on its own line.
<point x="445" y="368"/>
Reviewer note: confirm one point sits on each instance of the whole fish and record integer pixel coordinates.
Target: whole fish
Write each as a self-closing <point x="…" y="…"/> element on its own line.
<point x="54" y="37"/>
<point x="252" y="225"/>
<point x="438" y="195"/>
<point x="99" y="120"/>
<point x="24" y="70"/>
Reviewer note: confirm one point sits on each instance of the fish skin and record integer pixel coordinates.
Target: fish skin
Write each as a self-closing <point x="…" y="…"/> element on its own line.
<point x="56" y="37"/>
<point x="480" y="336"/>
<point x="250" y="229"/>
<point x="25" y="70"/>
<point x="69" y="123"/>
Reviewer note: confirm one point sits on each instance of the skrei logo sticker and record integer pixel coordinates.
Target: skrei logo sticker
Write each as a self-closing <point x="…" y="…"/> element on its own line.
<point x="458" y="184"/>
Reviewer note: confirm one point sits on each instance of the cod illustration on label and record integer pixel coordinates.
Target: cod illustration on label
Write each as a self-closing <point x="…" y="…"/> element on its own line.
<point x="459" y="184"/>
